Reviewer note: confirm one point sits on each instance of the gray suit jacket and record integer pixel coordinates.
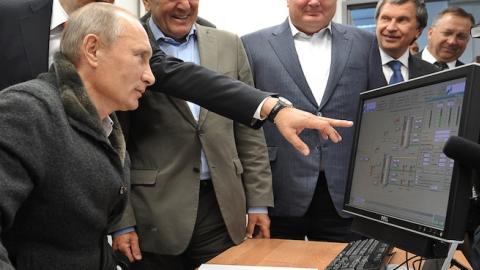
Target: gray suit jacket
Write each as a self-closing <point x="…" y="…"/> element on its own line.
<point x="164" y="142"/>
<point x="355" y="67"/>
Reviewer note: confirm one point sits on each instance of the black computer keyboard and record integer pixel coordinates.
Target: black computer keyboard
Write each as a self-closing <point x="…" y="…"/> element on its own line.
<point x="362" y="254"/>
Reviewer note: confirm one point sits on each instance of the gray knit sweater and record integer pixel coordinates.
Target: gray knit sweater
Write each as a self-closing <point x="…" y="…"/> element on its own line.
<point x="61" y="178"/>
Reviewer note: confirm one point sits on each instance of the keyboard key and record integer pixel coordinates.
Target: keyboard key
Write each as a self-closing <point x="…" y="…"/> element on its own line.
<point x="368" y="254"/>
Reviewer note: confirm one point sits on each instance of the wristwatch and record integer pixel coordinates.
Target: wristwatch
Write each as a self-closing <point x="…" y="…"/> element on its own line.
<point x="282" y="103"/>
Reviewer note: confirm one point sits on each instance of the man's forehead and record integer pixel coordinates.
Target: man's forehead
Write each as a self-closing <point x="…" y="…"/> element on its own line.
<point x="134" y="32"/>
<point x="452" y="18"/>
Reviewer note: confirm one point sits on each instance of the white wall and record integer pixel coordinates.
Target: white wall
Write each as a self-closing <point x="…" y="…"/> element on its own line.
<point x="246" y="16"/>
<point x="243" y="16"/>
<point x="131" y="5"/>
<point x="237" y="16"/>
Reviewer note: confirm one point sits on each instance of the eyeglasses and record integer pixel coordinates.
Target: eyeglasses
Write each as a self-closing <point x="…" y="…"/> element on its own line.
<point x="475" y="31"/>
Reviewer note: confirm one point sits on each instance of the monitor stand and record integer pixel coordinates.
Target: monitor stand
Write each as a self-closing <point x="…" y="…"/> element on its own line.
<point x="442" y="264"/>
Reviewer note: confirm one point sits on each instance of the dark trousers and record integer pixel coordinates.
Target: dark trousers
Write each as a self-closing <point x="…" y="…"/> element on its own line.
<point x="210" y="238"/>
<point x="321" y="222"/>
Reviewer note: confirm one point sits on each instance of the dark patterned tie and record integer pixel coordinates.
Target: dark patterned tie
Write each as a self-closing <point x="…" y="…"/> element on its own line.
<point x="397" y="72"/>
<point x="441" y="65"/>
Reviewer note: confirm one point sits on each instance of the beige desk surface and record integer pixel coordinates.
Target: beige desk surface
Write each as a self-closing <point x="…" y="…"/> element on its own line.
<point x="292" y="253"/>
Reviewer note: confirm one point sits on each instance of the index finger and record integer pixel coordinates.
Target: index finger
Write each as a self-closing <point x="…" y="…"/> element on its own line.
<point x="337" y="122"/>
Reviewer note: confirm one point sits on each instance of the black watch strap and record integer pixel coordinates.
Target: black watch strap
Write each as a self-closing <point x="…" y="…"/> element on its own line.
<point x="277" y="108"/>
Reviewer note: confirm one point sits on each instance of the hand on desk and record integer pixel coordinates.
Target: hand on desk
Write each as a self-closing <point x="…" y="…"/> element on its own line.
<point x="127" y="244"/>
<point x="262" y="222"/>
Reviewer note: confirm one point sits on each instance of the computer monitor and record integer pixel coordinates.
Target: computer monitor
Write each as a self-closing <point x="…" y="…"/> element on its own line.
<point x="401" y="188"/>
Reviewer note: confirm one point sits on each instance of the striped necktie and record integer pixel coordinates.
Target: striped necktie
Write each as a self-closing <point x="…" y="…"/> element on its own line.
<point x="441" y="65"/>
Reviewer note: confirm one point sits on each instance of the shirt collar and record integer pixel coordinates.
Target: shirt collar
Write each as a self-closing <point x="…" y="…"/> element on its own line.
<point x="387" y="58"/>
<point x="59" y="16"/>
<point x="427" y="56"/>
<point x="296" y="32"/>
<point x="159" y="35"/>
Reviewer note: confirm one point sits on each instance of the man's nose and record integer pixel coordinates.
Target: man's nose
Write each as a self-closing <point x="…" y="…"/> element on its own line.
<point x="392" y="25"/>
<point x="147" y="76"/>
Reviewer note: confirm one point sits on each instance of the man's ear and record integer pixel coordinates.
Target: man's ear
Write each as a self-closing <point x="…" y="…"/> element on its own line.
<point x="90" y="46"/>
<point x="430" y="32"/>
<point x="417" y="35"/>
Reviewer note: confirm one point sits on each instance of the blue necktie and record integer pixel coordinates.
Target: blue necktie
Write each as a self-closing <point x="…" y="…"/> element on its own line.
<point x="397" y="72"/>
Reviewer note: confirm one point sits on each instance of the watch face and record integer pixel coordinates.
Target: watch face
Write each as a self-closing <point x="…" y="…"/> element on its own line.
<point x="285" y="101"/>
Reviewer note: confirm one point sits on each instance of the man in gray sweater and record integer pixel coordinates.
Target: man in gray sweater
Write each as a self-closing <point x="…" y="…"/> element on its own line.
<point x="63" y="176"/>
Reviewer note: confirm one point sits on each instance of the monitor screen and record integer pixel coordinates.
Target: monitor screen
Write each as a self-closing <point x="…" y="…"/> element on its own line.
<point x="398" y="174"/>
<point x="399" y="153"/>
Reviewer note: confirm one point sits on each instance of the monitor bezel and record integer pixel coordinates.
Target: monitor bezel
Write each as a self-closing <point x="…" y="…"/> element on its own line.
<point x="459" y="192"/>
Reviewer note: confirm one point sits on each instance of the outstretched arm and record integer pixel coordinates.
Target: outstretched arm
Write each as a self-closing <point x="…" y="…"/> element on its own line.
<point x="217" y="93"/>
<point x="291" y="122"/>
<point x="234" y="99"/>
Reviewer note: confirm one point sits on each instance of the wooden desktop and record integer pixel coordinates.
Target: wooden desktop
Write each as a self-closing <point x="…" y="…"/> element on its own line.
<point x="293" y="253"/>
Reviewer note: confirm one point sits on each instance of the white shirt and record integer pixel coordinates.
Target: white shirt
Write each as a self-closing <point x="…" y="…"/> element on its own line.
<point x="59" y="17"/>
<point x="387" y="70"/>
<point x="427" y="56"/>
<point x="315" y="56"/>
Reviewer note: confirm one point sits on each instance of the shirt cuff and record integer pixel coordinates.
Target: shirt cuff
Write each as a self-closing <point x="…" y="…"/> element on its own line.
<point x="259" y="109"/>
<point x="123" y="231"/>
<point x="258" y="210"/>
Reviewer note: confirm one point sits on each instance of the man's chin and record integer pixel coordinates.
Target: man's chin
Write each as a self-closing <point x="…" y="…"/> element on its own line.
<point x="130" y="107"/>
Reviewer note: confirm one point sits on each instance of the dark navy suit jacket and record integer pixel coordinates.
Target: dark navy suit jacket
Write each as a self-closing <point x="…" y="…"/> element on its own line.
<point x="24" y="38"/>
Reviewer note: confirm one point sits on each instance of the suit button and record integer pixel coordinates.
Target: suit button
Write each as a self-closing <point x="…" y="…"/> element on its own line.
<point x="195" y="169"/>
<point x="318" y="147"/>
<point x="123" y="190"/>
<point x="319" y="114"/>
<point x="200" y="132"/>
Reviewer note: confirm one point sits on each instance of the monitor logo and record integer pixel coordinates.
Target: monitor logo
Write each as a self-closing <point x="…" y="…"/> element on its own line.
<point x="384" y="218"/>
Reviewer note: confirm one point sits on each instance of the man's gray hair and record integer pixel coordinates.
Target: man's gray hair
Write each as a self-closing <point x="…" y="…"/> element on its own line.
<point x="456" y="11"/>
<point x="101" y="19"/>
<point x="421" y="10"/>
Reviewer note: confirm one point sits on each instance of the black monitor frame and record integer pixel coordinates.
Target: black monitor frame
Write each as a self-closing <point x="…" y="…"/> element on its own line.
<point x="421" y="240"/>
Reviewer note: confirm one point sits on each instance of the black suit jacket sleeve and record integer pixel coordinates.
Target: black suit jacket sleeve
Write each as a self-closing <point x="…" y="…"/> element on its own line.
<point x="218" y="93"/>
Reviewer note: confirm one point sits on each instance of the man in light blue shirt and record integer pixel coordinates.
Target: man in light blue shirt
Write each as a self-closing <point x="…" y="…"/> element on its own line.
<point x="194" y="172"/>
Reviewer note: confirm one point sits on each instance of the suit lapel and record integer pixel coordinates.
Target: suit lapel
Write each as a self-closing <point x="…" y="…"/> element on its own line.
<point x="35" y="29"/>
<point x="413" y="67"/>
<point x="284" y="46"/>
<point x="341" y="46"/>
<point x="183" y="108"/>
<point x="180" y="104"/>
<point x="207" y="47"/>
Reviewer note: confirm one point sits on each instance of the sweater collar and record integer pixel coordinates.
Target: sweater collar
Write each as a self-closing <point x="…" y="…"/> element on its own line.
<point x="80" y="109"/>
